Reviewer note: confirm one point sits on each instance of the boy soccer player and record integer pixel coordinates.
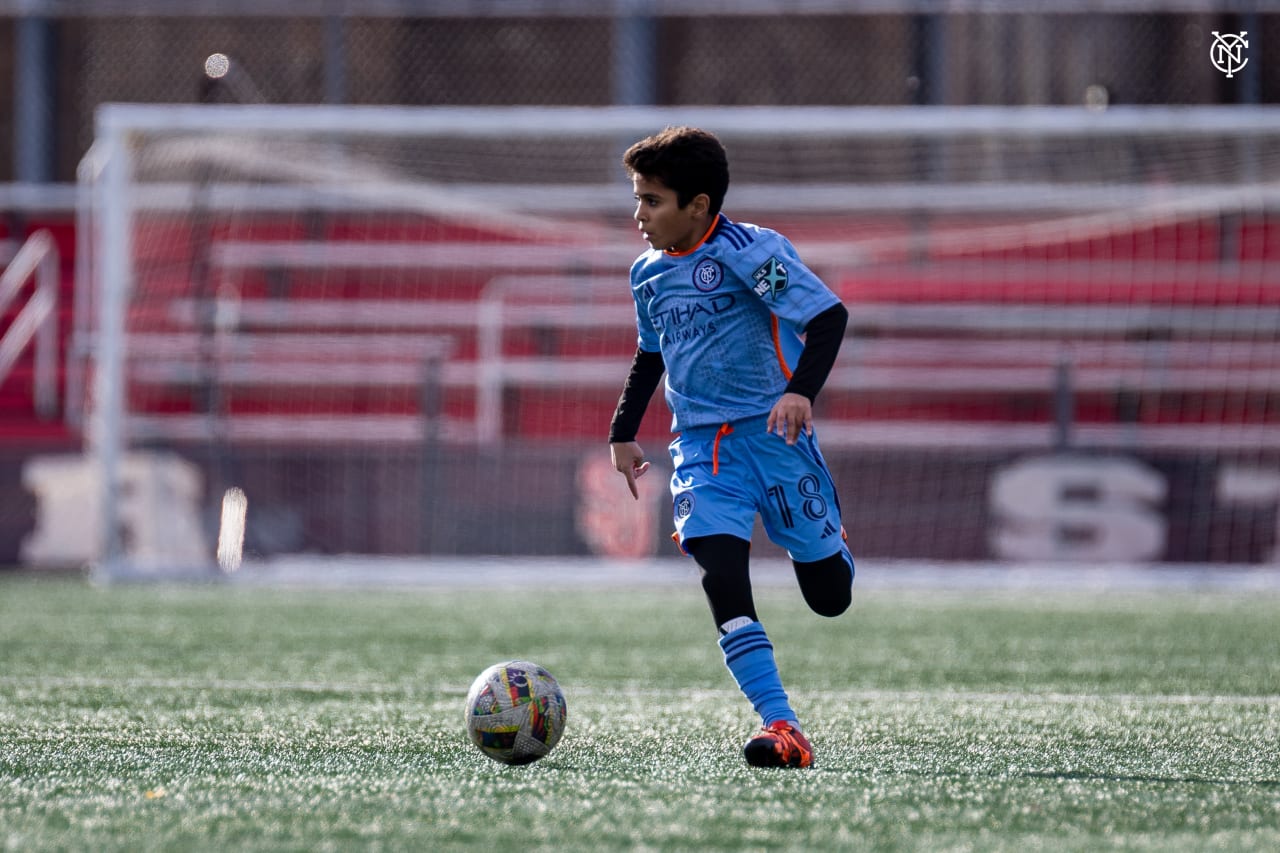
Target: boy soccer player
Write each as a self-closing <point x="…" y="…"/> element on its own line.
<point x="720" y="307"/>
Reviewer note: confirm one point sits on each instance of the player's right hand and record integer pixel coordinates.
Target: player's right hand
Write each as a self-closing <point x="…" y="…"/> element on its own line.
<point x="628" y="458"/>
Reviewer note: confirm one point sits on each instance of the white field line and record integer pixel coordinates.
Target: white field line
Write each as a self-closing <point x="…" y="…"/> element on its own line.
<point x="38" y="682"/>
<point x="678" y="573"/>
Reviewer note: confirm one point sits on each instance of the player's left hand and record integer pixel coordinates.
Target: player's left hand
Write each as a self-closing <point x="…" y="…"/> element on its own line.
<point x="628" y="458"/>
<point x="791" y="414"/>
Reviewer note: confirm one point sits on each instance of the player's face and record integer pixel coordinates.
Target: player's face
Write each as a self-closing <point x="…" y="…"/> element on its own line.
<point x="664" y="224"/>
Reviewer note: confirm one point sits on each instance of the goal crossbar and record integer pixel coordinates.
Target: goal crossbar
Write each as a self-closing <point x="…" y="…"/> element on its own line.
<point x="526" y="122"/>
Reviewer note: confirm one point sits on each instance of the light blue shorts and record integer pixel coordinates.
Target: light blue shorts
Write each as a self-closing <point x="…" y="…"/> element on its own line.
<point x="724" y="476"/>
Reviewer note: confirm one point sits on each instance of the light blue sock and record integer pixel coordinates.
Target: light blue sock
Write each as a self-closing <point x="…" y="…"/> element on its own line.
<point x="749" y="656"/>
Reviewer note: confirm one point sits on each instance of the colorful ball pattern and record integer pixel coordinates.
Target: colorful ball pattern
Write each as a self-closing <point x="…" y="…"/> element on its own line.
<point x="515" y="712"/>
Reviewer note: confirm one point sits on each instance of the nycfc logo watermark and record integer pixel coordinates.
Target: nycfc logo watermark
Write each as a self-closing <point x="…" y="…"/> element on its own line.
<point x="1227" y="52"/>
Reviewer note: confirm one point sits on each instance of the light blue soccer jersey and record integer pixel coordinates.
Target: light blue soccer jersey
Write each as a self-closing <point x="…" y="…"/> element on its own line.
<point x="726" y="317"/>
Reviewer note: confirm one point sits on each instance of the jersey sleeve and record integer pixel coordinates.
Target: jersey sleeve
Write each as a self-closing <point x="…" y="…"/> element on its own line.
<point x="646" y="335"/>
<point x="778" y="277"/>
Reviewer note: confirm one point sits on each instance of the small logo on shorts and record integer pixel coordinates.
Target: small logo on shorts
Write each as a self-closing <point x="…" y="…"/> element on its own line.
<point x="707" y="275"/>
<point x="684" y="506"/>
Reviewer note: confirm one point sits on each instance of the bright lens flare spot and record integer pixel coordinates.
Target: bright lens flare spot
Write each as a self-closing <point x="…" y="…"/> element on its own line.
<point x="216" y="66"/>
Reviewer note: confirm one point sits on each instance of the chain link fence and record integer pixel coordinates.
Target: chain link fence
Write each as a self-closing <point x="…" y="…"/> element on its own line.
<point x="598" y="58"/>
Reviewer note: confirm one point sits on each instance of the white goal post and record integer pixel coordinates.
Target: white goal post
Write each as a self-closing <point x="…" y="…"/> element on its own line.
<point x="277" y="288"/>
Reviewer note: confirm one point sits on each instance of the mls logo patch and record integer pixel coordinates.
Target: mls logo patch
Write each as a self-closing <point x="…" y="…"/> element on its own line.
<point x="707" y="275"/>
<point x="683" y="506"/>
<point x="770" y="278"/>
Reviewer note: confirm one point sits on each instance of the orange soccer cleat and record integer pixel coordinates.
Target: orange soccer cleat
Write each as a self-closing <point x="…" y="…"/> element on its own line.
<point x="779" y="744"/>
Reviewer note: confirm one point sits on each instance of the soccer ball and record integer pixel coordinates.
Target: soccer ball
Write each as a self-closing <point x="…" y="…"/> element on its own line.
<point x="515" y="712"/>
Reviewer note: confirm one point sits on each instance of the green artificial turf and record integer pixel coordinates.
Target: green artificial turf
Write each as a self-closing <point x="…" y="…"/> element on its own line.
<point x="215" y="718"/>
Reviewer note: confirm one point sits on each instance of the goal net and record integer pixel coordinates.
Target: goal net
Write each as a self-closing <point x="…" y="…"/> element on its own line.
<point x="403" y="331"/>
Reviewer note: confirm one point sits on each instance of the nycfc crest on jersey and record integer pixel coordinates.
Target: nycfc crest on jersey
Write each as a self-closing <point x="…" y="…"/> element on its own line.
<point x="707" y="275"/>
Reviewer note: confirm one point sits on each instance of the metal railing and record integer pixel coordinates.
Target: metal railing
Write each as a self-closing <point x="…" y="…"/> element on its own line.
<point x="36" y="321"/>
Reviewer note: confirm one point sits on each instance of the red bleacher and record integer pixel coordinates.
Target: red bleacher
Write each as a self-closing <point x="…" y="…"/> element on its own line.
<point x="1173" y="323"/>
<point x="19" y="422"/>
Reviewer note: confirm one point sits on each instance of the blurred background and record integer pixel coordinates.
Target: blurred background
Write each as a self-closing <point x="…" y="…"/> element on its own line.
<point x="1054" y="224"/>
<point x="61" y="58"/>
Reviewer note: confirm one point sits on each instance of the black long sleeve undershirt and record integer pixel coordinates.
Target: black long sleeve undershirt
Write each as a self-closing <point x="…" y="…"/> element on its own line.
<point x="823" y="336"/>
<point x="646" y="372"/>
<point x="822" y="339"/>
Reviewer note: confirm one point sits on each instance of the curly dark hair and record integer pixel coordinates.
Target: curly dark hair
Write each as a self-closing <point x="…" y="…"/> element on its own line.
<point x="688" y="160"/>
